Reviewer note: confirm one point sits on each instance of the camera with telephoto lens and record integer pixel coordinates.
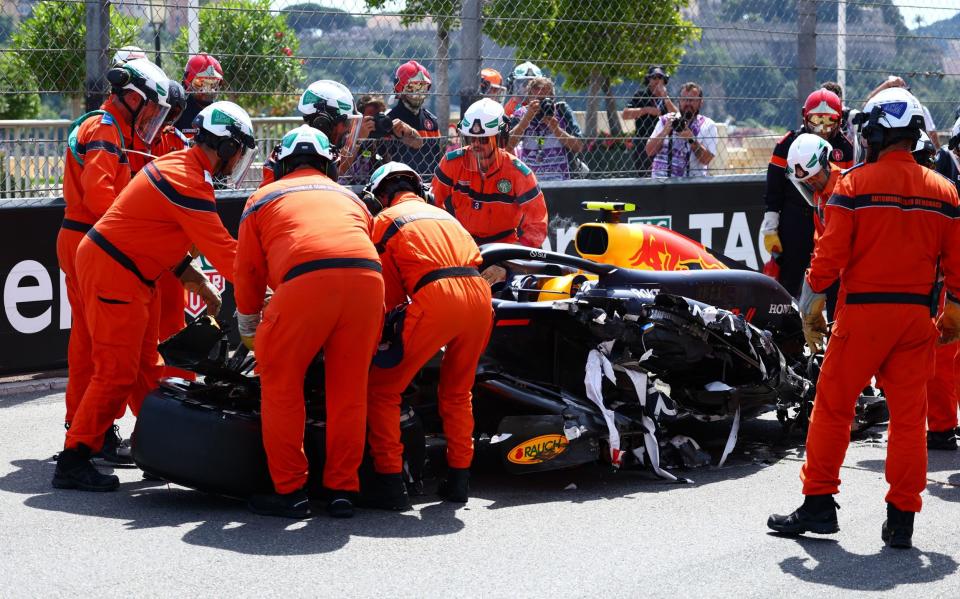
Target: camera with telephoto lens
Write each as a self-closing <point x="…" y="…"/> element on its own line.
<point x="547" y="107"/>
<point x="382" y="125"/>
<point x="678" y="123"/>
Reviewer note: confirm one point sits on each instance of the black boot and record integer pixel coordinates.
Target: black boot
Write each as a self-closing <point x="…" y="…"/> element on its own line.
<point x="818" y="514"/>
<point x="386" y="492"/>
<point x="75" y="471"/>
<point x="943" y="440"/>
<point x="456" y="487"/>
<point x="116" y="449"/>
<point x="340" y="504"/>
<point x="288" y="505"/>
<point x="897" y="529"/>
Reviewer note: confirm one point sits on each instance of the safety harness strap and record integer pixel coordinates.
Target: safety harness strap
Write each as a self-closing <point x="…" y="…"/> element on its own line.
<point x="445" y="273"/>
<point x="878" y="297"/>
<point x="75" y="225"/>
<point x="115" y="253"/>
<point x="312" y="265"/>
<point x="494" y="237"/>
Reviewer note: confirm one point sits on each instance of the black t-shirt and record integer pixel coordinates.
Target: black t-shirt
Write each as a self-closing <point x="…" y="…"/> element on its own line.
<point x="426" y="159"/>
<point x="645" y="124"/>
<point x="190" y="112"/>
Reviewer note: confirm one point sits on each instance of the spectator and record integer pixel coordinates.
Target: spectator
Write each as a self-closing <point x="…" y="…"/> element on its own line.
<point x="683" y="142"/>
<point x="417" y="144"/>
<point x="517" y="83"/>
<point x="928" y="124"/>
<point x="545" y="132"/>
<point x="367" y="155"/>
<point x="648" y="104"/>
<point x="202" y="78"/>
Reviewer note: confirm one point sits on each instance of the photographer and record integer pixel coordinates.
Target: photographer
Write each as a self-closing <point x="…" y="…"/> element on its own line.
<point x="647" y="105"/>
<point x="375" y="125"/>
<point x="683" y="143"/>
<point x="545" y="132"/>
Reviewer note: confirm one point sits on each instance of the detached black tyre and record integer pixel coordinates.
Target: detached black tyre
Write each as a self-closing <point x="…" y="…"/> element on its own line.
<point x="199" y="444"/>
<point x="189" y="434"/>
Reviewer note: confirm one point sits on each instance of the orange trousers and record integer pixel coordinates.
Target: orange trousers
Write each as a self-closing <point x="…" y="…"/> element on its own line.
<point x="455" y="313"/>
<point x="897" y="343"/>
<point x="341" y="312"/>
<point x="122" y="315"/>
<point x="79" y="358"/>
<point x="172" y="297"/>
<point x="942" y="390"/>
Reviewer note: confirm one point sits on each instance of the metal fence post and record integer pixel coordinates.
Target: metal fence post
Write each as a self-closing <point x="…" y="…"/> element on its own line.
<point x="98" y="40"/>
<point x="470" y="44"/>
<point x="806" y="49"/>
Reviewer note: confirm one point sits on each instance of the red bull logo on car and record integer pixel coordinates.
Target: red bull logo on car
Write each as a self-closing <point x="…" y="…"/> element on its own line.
<point x="662" y="249"/>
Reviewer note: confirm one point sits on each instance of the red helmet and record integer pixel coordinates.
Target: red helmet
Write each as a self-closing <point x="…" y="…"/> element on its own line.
<point x="491" y="76"/>
<point x="822" y="112"/>
<point x="203" y="73"/>
<point x="410" y="72"/>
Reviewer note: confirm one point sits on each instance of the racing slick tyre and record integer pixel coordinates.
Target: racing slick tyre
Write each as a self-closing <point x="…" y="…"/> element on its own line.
<point x="196" y="442"/>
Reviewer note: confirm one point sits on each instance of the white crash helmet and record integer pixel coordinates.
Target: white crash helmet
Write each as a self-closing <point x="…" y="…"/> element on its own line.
<point x="484" y="118"/>
<point x="891" y="115"/>
<point x="954" y="135"/>
<point x="325" y="104"/>
<point x="150" y="83"/>
<point x="302" y="141"/>
<point x="227" y="128"/>
<point x="126" y="54"/>
<point x="387" y="172"/>
<point x="391" y="170"/>
<point x="521" y="75"/>
<point x="807" y="158"/>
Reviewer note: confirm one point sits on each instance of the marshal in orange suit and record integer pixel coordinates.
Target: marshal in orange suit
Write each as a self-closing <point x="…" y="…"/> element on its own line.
<point x="308" y="238"/>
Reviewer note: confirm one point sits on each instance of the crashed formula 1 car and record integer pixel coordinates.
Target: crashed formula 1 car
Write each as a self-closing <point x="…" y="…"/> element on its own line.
<point x="591" y="358"/>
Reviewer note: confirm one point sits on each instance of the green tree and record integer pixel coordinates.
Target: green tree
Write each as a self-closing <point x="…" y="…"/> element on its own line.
<point x="51" y="45"/>
<point x="307" y="15"/>
<point x="445" y="15"/>
<point x="257" y="49"/>
<point x="14" y="75"/>
<point x="594" y="44"/>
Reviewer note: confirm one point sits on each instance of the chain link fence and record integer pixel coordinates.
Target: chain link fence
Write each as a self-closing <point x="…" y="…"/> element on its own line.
<point x="754" y="60"/>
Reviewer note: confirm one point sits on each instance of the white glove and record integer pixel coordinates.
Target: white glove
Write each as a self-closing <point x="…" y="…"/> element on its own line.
<point x="771" y="222"/>
<point x="247" y="327"/>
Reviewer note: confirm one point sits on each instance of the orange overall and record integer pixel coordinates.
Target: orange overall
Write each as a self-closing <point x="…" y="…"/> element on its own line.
<point x="942" y="393"/>
<point x="88" y="191"/>
<point x="169" y="288"/>
<point x="887" y="224"/>
<point x="428" y="256"/>
<point x="504" y="205"/>
<point x="308" y="238"/>
<point x="166" y="208"/>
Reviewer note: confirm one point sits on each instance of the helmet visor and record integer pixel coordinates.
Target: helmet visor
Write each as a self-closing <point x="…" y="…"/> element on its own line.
<point x="493" y="91"/>
<point x="805" y="189"/>
<point x="822" y="123"/>
<point x="349" y="139"/>
<point x="150" y="119"/>
<point x="482" y="155"/>
<point x="415" y="92"/>
<point x="241" y="164"/>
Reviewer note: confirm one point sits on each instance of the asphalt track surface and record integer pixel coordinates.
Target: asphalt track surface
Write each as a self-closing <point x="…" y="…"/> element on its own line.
<point x="614" y="535"/>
